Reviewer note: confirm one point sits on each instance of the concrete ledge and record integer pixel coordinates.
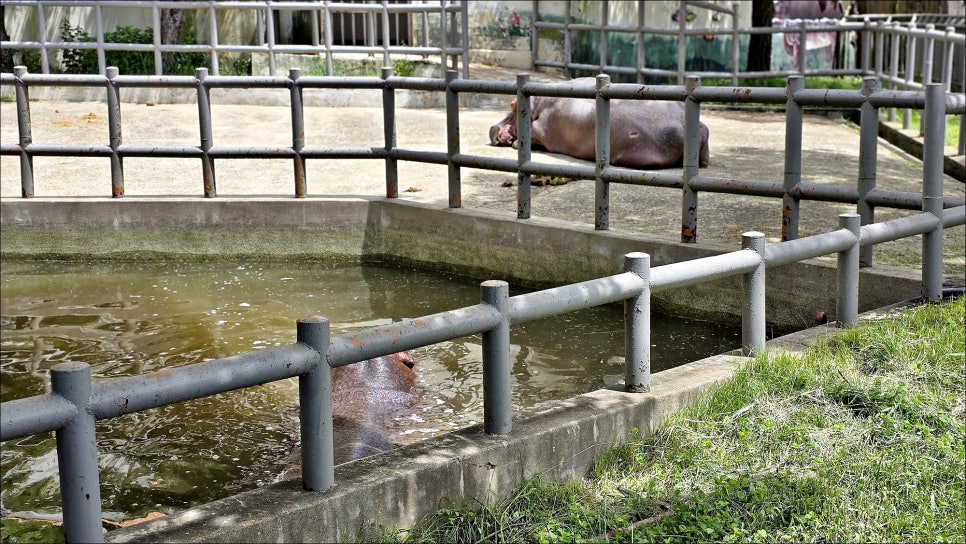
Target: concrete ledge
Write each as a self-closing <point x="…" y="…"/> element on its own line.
<point x="538" y="252"/>
<point x="558" y="440"/>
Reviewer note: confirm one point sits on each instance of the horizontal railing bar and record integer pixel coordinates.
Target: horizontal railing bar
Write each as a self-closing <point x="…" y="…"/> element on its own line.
<point x="225" y="152"/>
<point x="650" y="178"/>
<point x="489" y="163"/>
<point x="344" y="153"/>
<point x="170" y="151"/>
<point x="954" y="217"/>
<point x="808" y="247"/>
<point x="416" y="83"/>
<point x="765" y="95"/>
<point x="737" y="186"/>
<point x="573" y="297"/>
<point x="561" y="90"/>
<point x="32" y="415"/>
<point x="652" y="92"/>
<point x="112" y="397"/>
<point x="895" y="229"/>
<point x="431" y="157"/>
<point x="579" y="171"/>
<point x="412" y="333"/>
<point x="483" y="86"/>
<point x="686" y="273"/>
<point x="826" y="193"/>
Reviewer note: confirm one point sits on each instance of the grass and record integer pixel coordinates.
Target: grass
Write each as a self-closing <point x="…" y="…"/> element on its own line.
<point x="859" y="439"/>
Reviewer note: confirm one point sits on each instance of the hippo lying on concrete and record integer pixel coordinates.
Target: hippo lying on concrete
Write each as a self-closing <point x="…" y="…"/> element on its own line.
<point x="643" y="133"/>
<point x="365" y="397"/>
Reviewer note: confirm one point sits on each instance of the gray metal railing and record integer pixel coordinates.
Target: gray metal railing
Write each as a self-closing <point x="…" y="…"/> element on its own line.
<point x="76" y="401"/>
<point x="878" y="34"/>
<point x="791" y="189"/>
<point x="326" y="17"/>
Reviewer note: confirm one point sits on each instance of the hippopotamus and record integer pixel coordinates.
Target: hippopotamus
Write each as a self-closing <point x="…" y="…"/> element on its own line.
<point x="643" y="133"/>
<point x="365" y="397"/>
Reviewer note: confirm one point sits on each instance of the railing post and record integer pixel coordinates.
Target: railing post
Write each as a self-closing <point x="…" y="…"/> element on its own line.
<point x="315" y="407"/>
<point x="934" y="121"/>
<point x="298" y="131"/>
<point x="753" y="298"/>
<point x="204" y="125"/>
<point x="77" y="456"/>
<point x="927" y="54"/>
<point x="802" y="41"/>
<point x="497" y="405"/>
<point x="735" y="45"/>
<point x="868" y="159"/>
<point x="452" y="137"/>
<point x="793" y="158"/>
<point x="602" y="135"/>
<point x="389" y="134"/>
<point x="114" y="129"/>
<point x="637" y="327"/>
<point x="523" y="143"/>
<point x="893" y="64"/>
<point x="692" y="148"/>
<point x="847" y="300"/>
<point x="23" y="127"/>
<point x="910" y="71"/>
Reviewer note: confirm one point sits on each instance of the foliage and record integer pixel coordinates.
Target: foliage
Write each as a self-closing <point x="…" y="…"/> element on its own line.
<point x="863" y="438"/>
<point x="84" y="61"/>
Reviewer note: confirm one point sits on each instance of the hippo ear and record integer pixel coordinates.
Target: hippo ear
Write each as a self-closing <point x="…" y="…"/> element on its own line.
<point x="513" y="104"/>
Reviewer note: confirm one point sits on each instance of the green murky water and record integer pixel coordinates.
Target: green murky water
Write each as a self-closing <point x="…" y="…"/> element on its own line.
<point x="126" y="318"/>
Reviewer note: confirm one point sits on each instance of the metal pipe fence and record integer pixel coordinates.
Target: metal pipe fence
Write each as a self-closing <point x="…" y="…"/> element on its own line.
<point x="77" y="401"/>
<point x="377" y="23"/>
<point x="791" y="189"/>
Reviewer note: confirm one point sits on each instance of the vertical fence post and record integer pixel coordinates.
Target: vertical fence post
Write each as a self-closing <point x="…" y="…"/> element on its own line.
<point x="847" y="301"/>
<point x="639" y="41"/>
<point x="389" y="134"/>
<point x="523" y="146"/>
<point x="894" y="43"/>
<point x="453" y="139"/>
<point x="682" y="40"/>
<point x="802" y="42"/>
<point x="315" y="407"/>
<point x="934" y="121"/>
<point x="753" y="298"/>
<point x="114" y="130"/>
<point x="927" y="64"/>
<point x="910" y="71"/>
<point x="298" y="131"/>
<point x="868" y="159"/>
<point x="602" y="135"/>
<point x="692" y="148"/>
<point x="497" y="406"/>
<point x="204" y="125"/>
<point x="23" y="127"/>
<point x="793" y="158"/>
<point x="637" y="327"/>
<point x="865" y="42"/>
<point x="735" y="45"/>
<point x="879" y="47"/>
<point x="77" y="456"/>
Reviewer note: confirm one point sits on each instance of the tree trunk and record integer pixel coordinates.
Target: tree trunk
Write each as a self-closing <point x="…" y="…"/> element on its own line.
<point x="759" y="45"/>
<point x="171" y="20"/>
<point x="6" y="58"/>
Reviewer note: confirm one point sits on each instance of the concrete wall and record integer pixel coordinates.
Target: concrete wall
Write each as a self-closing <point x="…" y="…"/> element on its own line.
<point x="481" y="244"/>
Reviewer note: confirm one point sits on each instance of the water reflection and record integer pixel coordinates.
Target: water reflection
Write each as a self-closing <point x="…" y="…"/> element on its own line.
<point x="126" y="318"/>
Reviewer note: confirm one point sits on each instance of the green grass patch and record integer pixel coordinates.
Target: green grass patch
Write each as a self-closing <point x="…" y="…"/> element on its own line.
<point x="859" y="439"/>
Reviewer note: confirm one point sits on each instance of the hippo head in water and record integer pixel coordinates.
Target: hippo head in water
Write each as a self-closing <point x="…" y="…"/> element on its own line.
<point x="644" y="133"/>
<point x="365" y="397"/>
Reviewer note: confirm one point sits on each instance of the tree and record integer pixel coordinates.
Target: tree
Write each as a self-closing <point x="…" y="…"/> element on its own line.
<point x="759" y="46"/>
<point x="6" y="58"/>
<point x="171" y="20"/>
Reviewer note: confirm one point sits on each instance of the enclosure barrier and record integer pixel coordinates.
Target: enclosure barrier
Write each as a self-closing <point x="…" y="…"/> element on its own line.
<point x="791" y="189"/>
<point x="76" y="401"/>
<point x="326" y="16"/>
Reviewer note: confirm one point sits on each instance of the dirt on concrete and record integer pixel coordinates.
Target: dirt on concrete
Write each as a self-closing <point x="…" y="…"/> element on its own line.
<point x="745" y="144"/>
